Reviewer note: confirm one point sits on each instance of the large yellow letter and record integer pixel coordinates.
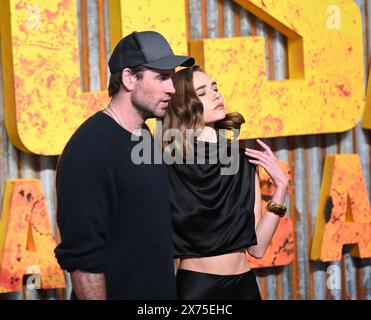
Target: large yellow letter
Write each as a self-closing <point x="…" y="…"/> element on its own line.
<point x="26" y="238"/>
<point x="367" y="115"/>
<point x="43" y="102"/>
<point x="324" y="92"/>
<point x="344" y="215"/>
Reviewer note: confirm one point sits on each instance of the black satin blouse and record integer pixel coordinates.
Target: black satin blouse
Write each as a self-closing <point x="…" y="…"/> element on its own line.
<point x="212" y="214"/>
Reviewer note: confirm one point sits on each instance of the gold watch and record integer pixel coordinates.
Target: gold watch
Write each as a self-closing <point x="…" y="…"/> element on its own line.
<point x="278" y="209"/>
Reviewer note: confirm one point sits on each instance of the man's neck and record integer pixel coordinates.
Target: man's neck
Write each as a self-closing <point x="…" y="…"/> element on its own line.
<point x="127" y="115"/>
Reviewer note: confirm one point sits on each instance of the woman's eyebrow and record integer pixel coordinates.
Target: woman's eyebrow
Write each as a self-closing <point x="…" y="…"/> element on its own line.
<point x="204" y="86"/>
<point x="201" y="87"/>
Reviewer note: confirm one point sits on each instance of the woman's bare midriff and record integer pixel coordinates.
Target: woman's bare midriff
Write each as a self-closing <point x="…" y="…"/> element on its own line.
<point x="225" y="264"/>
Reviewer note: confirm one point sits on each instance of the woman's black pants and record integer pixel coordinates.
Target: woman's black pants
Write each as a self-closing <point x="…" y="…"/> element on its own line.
<point x="193" y="285"/>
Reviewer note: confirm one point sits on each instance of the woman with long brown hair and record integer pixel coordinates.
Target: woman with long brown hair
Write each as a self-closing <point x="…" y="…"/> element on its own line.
<point x="216" y="217"/>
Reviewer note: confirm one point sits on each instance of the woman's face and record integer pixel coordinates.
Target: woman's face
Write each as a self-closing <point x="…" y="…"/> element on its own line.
<point x="207" y="91"/>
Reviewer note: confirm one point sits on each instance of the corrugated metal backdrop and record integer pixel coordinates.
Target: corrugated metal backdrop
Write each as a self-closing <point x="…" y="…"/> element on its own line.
<point x="302" y="279"/>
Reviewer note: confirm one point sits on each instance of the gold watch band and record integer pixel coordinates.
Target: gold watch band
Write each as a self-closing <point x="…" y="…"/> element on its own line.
<point x="278" y="209"/>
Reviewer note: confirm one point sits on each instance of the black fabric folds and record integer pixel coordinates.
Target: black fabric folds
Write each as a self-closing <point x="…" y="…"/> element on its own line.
<point x="212" y="214"/>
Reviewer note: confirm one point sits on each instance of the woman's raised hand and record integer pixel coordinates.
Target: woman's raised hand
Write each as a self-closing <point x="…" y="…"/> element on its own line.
<point x="269" y="162"/>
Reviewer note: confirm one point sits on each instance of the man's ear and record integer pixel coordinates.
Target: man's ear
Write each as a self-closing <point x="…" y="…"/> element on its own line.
<point x="128" y="79"/>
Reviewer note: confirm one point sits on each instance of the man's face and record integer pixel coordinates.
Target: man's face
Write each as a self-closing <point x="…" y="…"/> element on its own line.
<point x="151" y="94"/>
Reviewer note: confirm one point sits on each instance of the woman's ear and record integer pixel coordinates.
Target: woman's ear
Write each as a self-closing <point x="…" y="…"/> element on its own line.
<point x="128" y="79"/>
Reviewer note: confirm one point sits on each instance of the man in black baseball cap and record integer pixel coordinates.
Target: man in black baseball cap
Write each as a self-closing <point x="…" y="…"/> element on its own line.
<point x="147" y="48"/>
<point x="141" y="66"/>
<point x="113" y="213"/>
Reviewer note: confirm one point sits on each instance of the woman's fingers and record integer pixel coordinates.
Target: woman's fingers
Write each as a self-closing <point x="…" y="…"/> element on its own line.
<point x="269" y="162"/>
<point x="263" y="164"/>
<point x="261" y="161"/>
<point x="266" y="148"/>
<point x="265" y="159"/>
<point x="257" y="154"/>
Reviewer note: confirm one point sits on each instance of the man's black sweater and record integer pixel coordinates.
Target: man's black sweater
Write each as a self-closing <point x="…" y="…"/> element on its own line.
<point x="114" y="215"/>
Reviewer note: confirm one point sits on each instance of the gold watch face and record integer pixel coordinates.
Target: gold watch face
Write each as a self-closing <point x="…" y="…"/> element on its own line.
<point x="279" y="210"/>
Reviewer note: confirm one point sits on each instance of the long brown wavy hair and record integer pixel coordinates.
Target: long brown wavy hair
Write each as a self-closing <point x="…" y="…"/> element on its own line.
<point x="185" y="109"/>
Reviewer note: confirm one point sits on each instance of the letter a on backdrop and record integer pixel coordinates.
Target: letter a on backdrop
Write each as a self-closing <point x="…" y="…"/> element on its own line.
<point x="26" y="238"/>
<point x="344" y="215"/>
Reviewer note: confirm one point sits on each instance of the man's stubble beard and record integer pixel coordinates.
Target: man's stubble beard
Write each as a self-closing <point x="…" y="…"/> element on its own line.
<point x="142" y="105"/>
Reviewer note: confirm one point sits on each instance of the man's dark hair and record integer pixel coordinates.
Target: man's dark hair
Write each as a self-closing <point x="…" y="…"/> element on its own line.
<point x="115" y="82"/>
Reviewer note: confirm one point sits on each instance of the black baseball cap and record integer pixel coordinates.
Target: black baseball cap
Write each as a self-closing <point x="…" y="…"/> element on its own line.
<point x="147" y="48"/>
